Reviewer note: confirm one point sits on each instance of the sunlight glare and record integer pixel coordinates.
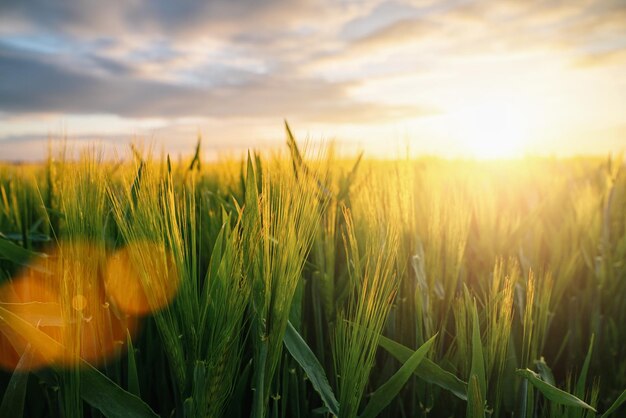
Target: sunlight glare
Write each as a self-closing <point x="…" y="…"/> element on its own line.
<point x="494" y="128"/>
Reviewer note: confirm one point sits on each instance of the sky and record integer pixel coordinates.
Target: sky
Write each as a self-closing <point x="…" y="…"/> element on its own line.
<point x="451" y="78"/>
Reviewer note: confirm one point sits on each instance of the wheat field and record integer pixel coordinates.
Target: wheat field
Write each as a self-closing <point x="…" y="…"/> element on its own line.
<point x="300" y="284"/>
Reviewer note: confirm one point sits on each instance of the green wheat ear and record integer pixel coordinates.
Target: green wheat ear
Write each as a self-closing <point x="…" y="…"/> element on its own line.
<point x="373" y="285"/>
<point x="280" y="220"/>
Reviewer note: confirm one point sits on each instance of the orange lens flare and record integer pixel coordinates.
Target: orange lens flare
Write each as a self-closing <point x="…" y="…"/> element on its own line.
<point x="57" y="312"/>
<point x="141" y="278"/>
<point x="30" y="316"/>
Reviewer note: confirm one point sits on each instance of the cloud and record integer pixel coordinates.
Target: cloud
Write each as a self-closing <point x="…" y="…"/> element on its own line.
<point x="35" y="85"/>
<point x="477" y="27"/>
<point x="555" y="24"/>
<point x="221" y="58"/>
<point x="600" y="58"/>
<point x="396" y="34"/>
<point x="376" y="17"/>
<point x="315" y="62"/>
<point x="180" y="18"/>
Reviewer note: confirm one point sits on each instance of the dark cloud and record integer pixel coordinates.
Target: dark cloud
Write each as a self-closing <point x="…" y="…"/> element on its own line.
<point x="30" y="84"/>
<point x="33" y="85"/>
<point x="107" y="61"/>
<point x="110" y="66"/>
<point x="151" y="16"/>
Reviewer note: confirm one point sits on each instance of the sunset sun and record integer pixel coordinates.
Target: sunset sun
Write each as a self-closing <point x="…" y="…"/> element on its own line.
<point x="494" y="128"/>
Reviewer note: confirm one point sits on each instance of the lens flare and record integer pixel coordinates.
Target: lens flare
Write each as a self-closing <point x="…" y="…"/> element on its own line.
<point x="30" y="315"/>
<point x="141" y="278"/>
<point x="58" y="307"/>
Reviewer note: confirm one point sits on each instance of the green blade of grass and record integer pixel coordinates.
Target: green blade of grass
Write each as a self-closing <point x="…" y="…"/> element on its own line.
<point x="15" y="253"/>
<point x="133" y="379"/>
<point x="306" y="359"/>
<point x="525" y="399"/>
<point x="258" y="399"/>
<point x="582" y="379"/>
<point x="13" y="399"/>
<point x="385" y="394"/>
<point x="114" y="402"/>
<point x="189" y="407"/>
<point x="195" y="162"/>
<point x="134" y="189"/>
<point x="477" y="383"/>
<point x="427" y="370"/>
<point x="553" y="393"/>
<point x="296" y="156"/>
<point x="475" y="403"/>
<point x="478" y="360"/>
